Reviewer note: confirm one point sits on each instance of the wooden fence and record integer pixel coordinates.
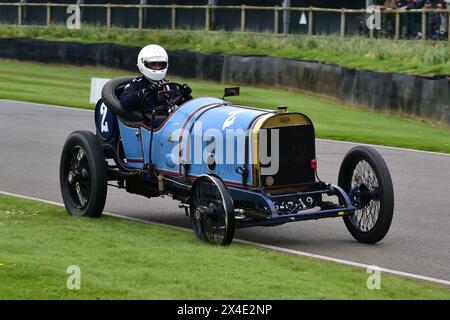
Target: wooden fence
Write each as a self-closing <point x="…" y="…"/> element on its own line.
<point x="308" y="11"/>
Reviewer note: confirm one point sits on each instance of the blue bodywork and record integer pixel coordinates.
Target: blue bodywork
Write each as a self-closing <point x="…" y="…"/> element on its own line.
<point x="195" y="119"/>
<point x="172" y="153"/>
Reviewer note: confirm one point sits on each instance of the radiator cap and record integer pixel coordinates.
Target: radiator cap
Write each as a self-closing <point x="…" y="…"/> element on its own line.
<point x="282" y="109"/>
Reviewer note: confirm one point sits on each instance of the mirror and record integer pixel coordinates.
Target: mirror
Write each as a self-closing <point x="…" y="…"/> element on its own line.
<point x="231" y="92"/>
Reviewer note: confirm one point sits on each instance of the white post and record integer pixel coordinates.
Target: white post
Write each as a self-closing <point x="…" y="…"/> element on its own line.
<point x="108" y="15"/>
<point x="173" y="20"/>
<point x="21" y="12"/>
<point x="286" y="16"/>
<point x="81" y="11"/>
<point x="49" y="15"/>
<point x="242" y="17"/>
<point x="142" y="14"/>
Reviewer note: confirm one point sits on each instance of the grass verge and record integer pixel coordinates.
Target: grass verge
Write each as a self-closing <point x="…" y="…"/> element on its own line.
<point x="407" y="56"/>
<point x="70" y="86"/>
<point x="121" y="259"/>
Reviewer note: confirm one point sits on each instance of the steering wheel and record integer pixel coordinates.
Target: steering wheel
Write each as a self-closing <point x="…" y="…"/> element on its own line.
<point x="164" y="107"/>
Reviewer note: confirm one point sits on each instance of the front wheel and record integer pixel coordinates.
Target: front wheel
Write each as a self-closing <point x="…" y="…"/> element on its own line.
<point x="212" y="211"/>
<point x="365" y="177"/>
<point x="82" y="175"/>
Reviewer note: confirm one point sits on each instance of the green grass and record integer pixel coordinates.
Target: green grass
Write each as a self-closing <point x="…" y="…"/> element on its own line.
<point x="408" y="56"/>
<point x="70" y="86"/>
<point x="121" y="259"/>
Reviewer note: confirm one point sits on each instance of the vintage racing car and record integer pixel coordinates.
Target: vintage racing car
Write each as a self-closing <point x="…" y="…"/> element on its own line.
<point x="229" y="166"/>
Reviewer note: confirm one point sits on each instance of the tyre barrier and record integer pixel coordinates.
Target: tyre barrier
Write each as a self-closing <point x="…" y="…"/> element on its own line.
<point x="419" y="96"/>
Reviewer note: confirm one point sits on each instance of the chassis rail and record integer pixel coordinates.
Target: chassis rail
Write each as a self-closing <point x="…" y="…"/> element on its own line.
<point x="344" y="207"/>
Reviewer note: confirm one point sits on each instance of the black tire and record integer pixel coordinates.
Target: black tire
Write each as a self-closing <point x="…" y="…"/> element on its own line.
<point x="82" y="175"/>
<point x="212" y="211"/>
<point x="365" y="176"/>
<point x="110" y="99"/>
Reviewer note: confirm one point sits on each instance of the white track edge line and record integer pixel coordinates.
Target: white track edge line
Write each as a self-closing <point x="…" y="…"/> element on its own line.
<point x="318" y="139"/>
<point x="256" y="244"/>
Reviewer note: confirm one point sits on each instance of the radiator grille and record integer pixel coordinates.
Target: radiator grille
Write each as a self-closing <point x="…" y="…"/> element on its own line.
<point x="296" y="150"/>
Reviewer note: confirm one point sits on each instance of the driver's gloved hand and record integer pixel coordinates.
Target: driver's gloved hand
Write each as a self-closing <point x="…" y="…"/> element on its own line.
<point x="151" y="89"/>
<point x="186" y="90"/>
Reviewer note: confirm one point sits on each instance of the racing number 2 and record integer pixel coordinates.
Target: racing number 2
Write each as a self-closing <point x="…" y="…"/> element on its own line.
<point x="103" y="113"/>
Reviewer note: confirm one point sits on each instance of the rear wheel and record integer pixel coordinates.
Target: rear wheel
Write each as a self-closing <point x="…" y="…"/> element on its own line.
<point x="212" y="211"/>
<point x="365" y="177"/>
<point x="82" y="175"/>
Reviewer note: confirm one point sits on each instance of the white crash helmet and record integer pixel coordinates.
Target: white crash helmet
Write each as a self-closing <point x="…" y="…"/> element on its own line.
<point x="150" y="56"/>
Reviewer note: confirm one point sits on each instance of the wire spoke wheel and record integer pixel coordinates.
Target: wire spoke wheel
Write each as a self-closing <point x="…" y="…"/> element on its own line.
<point x="212" y="211"/>
<point x="364" y="194"/>
<point x="365" y="177"/>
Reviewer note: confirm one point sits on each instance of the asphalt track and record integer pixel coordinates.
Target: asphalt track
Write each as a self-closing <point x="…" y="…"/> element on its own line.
<point x="31" y="140"/>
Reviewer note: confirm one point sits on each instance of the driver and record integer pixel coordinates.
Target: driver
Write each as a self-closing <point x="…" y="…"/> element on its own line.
<point x="153" y="63"/>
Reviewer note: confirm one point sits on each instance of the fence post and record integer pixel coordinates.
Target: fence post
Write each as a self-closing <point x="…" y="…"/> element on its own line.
<point x="243" y="18"/>
<point x="49" y="14"/>
<point x="343" y="23"/>
<point x="371" y="33"/>
<point x="108" y="15"/>
<point x="286" y="16"/>
<point x="397" y="25"/>
<point x="311" y="21"/>
<point x="19" y="13"/>
<point x="424" y="24"/>
<point x="207" y="18"/>
<point x="173" y="20"/>
<point x="276" y="20"/>
<point x="141" y="16"/>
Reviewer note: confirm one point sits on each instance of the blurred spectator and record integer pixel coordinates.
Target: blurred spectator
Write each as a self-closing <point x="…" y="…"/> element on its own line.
<point x="389" y="18"/>
<point x="443" y="28"/>
<point x="411" y="23"/>
<point x="433" y="22"/>
<point x="389" y="4"/>
<point x="399" y="4"/>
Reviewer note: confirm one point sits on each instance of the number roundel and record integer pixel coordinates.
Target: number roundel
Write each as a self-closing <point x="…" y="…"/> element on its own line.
<point x="104" y="121"/>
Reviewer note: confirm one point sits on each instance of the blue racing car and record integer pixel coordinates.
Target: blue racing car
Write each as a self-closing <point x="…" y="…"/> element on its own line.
<point x="230" y="166"/>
